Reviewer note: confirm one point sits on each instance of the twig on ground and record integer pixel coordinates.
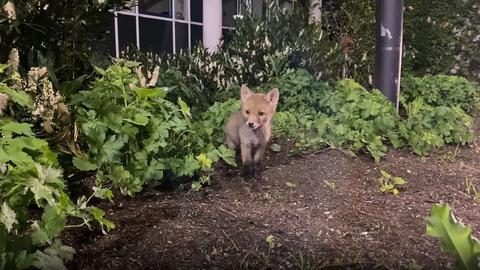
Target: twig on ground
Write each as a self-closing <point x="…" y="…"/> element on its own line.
<point x="229" y="238"/>
<point x="226" y="212"/>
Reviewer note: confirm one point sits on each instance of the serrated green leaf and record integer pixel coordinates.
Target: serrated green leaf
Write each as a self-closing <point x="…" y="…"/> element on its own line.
<point x="31" y="143"/>
<point x="41" y="192"/>
<point x="385" y="175"/>
<point x="39" y="236"/>
<point x="228" y="155"/>
<point x="111" y="148"/>
<point x="141" y="119"/>
<point x="150" y="92"/>
<point x="19" y="97"/>
<point x="456" y="238"/>
<point x="47" y="262"/>
<point x="17" y="128"/>
<point x="23" y="260"/>
<point x="99" y="215"/>
<point x="385" y="188"/>
<point x="84" y="164"/>
<point x="184" y="108"/>
<point x="53" y="222"/>
<point x="59" y="250"/>
<point x="204" y="161"/>
<point x="399" y="181"/>
<point x="186" y="166"/>
<point x="102" y="193"/>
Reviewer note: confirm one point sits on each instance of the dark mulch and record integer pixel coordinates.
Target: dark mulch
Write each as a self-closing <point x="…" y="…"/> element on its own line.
<point x="352" y="226"/>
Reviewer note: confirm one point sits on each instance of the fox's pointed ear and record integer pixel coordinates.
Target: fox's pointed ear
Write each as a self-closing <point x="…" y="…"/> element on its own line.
<point x="245" y="93"/>
<point x="273" y="96"/>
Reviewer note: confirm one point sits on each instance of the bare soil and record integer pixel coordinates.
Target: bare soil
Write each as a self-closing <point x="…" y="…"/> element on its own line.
<point x="315" y="226"/>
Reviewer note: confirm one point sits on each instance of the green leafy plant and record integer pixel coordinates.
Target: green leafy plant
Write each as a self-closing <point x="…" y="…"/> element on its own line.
<point x="359" y="119"/>
<point x="352" y="24"/>
<point x="427" y="128"/>
<point x="206" y="162"/>
<point x="438" y="41"/>
<point x="34" y="206"/>
<point x="271" y="241"/>
<point x="134" y="134"/>
<point x="66" y="36"/>
<point x="456" y="239"/>
<point x="390" y="184"/>
<point x="301" y="92"/>
<point x="346" y="115"/>
<point x="261" y="48"/>
<point x="216" y="116"/>
<point x="442" y="90"/>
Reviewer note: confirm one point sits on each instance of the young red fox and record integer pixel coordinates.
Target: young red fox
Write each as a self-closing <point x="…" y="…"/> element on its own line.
<point x="249" y="129"/>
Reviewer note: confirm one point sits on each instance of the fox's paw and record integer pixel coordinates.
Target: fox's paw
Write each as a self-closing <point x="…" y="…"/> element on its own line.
<point x="258" y="167"/>
<point x="248" y="170"/>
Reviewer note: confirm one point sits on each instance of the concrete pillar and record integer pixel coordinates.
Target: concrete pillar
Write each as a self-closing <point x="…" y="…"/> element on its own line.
<point x="315" y="11"/>
<point x="212" y="24"/>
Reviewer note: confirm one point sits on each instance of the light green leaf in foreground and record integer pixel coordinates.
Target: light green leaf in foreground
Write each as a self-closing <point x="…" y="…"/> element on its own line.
<point x="455" y="237"/>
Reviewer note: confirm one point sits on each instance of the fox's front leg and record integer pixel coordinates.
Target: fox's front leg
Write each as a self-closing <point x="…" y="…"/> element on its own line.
<point x="246" y="152"/>
<point x="258" y="158"/>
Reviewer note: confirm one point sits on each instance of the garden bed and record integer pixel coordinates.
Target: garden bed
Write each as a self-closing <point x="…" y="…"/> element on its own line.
<point x="313" y="224"/>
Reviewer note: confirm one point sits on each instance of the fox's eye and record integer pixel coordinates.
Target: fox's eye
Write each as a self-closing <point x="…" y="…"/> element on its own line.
<point x="260" y="113"/>
<point x="247" y="111"/>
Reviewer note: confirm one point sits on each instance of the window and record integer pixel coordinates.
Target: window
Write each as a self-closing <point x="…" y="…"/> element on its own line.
<point x="168" y="26"/>
<point x="162" y="26"/>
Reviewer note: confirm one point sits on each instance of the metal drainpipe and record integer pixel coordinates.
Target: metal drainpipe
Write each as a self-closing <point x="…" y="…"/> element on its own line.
<point x="388" y="56"/>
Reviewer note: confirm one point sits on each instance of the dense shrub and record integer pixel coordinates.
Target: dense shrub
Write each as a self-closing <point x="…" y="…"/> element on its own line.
<point x="301" y="92"/>
<point x="442" y="90"/>
<point x="217" y="115"/>
<point x="427" y="127"/>
<point x="133" y="135"/>
<point x="259" y="50"/>
<point x="352" y="24"/>
<point x="442" y="37"/>
<point x="34" y="205"/>
<point x="360" y="119"/>
<point x="62" y="35"/>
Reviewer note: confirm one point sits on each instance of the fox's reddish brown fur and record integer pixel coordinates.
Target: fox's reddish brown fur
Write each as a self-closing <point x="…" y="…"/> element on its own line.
<point x="248" y="130"/>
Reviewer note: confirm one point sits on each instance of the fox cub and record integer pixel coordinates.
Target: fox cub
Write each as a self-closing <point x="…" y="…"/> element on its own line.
<point x="249" y="129"/>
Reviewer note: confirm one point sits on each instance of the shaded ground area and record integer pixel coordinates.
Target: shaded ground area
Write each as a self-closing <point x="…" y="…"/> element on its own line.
<point x="314" y="226"/>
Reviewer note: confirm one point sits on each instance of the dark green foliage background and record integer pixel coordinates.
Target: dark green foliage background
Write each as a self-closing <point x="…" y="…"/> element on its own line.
<point x="65" y="35"/>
